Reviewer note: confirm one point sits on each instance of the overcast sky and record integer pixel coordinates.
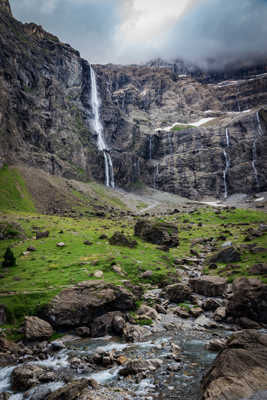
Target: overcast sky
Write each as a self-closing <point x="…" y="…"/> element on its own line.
<point x="132" y="31"/>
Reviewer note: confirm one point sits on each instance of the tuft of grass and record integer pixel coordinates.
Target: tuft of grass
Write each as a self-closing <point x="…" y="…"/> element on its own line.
<point x="178" y="128"/>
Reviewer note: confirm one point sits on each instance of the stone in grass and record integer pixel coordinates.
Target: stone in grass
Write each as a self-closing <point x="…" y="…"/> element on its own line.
<point x="87" y="243"/>
<point x="119" y="239"/>
<point x="60" y="244"/>
<point x="42" y="235"/>
<point x="228" y="254"/>
<point x="31" y="248"/>
<point x="98" y="274"/>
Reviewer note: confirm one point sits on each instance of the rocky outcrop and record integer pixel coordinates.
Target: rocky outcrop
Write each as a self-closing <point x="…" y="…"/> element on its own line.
<point x="209" y="286"/>
<point x="178" y="292"/>
<point x="249" y="300"/>
<point x="157" y="232"/>
<point x="36" y="329"/>
<point x="45" y="117"/>
<point x="227" y="255"/>
<point x="81" y="304"/>
<point x="240" y="370"/>
<point x="26" y="376"/>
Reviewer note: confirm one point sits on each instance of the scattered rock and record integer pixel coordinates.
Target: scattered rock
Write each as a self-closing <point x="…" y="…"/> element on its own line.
<point x="240" y="370"/>
<point x="249" y="300"/>
<point x="3" y="316"/>
<point x="27" y="375"/>
<point x="247" y="323"/>
<point x="42" y="235"/>
<point x="258" y="269"/>
<point x="103" y="325"/>
<point x="216" y="344"/>
<point x="178" y="292"/>
<point x="60" y="244"/>
<point x="209" y="286"/>
<point x="73" y="391"/>
<point x="228" y="254"/>
<point x="147" y="274"/>
<point x="31" y="248"/>
<point x="134" y="367"/>
<point x="219" y="314"/>
<point x="36" y="328"/>
<point x="98" y="274"/>
<point x="205" y="322"/>
<point x="83" y="331"/>
<point x="80" y="304"/>
<point x="211" y="304"/>
<point x="148" y="312"/>
<point x="196" y="311"/>
<point x="87" y="243"/>
<point x="157" y="232"/>
<point x="133" y="333"/>
<point x="119" y="239"/>
<point x="181" y="312"/>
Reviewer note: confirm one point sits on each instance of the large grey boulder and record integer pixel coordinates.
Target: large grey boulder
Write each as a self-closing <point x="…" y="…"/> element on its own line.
<point x="208" y="285"/>
<point x="178" y="292"/>
<point x="249" y="300"/>
<point x="226" y="255"/>
<point x="81" y="304"/>
<point x="240" y="370"/>
<point x="26" y="376"/>
<point x="157" y="232"/>
<point x="36" y="328"/>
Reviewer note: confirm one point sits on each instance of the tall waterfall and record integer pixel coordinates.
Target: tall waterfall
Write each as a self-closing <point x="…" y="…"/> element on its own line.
<point x="254" y="148"/>
<point x="98" y="127"/>
<point x="227" y="164"/>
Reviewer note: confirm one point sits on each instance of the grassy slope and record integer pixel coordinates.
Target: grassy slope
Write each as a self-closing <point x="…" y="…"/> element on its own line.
<point x="13" y="193"/>
<point x="41" y="274"/>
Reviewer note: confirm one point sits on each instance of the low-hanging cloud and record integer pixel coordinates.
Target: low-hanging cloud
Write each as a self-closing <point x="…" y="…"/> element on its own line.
<point x="132" y="31"/>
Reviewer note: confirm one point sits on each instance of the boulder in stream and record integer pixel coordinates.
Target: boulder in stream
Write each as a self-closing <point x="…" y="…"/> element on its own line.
<point x="209" y="285"/>
<point x="240" y="370"/>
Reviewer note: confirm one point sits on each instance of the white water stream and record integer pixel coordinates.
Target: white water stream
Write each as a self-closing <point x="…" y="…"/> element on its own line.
<point x="227" y="164"/>
<point x="254" y="148"/>
<point x="98" y="127"/>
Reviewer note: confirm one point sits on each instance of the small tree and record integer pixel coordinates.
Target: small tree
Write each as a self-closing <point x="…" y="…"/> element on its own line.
<point x="9" y="258"/>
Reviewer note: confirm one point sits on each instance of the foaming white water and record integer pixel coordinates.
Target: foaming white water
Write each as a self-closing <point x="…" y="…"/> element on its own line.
<point x="105" y="376"/>
<point x="54" y="362"/>
<point x="5" y="374"/>
<point x="98" y="127"/>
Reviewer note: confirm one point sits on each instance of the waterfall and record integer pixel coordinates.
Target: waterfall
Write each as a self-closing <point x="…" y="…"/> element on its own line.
<point x="260" y="131"/>
<point x="156" y="174"/>
<point x="254" y="148"/>
<point x="227" y="164"/>
<point x="150" y="147"/>
<point x="98" y="127"/>
<point x="237" y="99"/>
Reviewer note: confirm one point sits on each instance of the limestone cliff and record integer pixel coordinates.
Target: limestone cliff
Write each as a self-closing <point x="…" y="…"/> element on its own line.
<point x="45" y="118"/>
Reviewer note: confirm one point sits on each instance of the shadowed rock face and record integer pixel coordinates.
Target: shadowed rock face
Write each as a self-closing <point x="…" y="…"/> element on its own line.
<point x="240" y="370"/>
<point x="45" y="116"/>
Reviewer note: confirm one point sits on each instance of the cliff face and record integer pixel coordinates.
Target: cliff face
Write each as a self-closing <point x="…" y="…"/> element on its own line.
<point x="45" y="116"/>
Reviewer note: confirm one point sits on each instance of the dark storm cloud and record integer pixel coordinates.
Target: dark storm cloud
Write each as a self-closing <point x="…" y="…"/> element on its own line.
<point x="88" y="25"/>
<point x="122" y="31"/>
<point x="225" y="30"/>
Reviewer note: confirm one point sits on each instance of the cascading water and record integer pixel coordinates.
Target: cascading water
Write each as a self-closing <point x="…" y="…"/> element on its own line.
<point x="156" y="174"/>
<point x="150" y="147"/>
<point x="260" y="131"/>
<point x="170" y="143"/>
<point x="227" y="163"/>
<point x="98" y="127"/>
<point x="237" y="98"/>
<point x="254" y="148"/>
